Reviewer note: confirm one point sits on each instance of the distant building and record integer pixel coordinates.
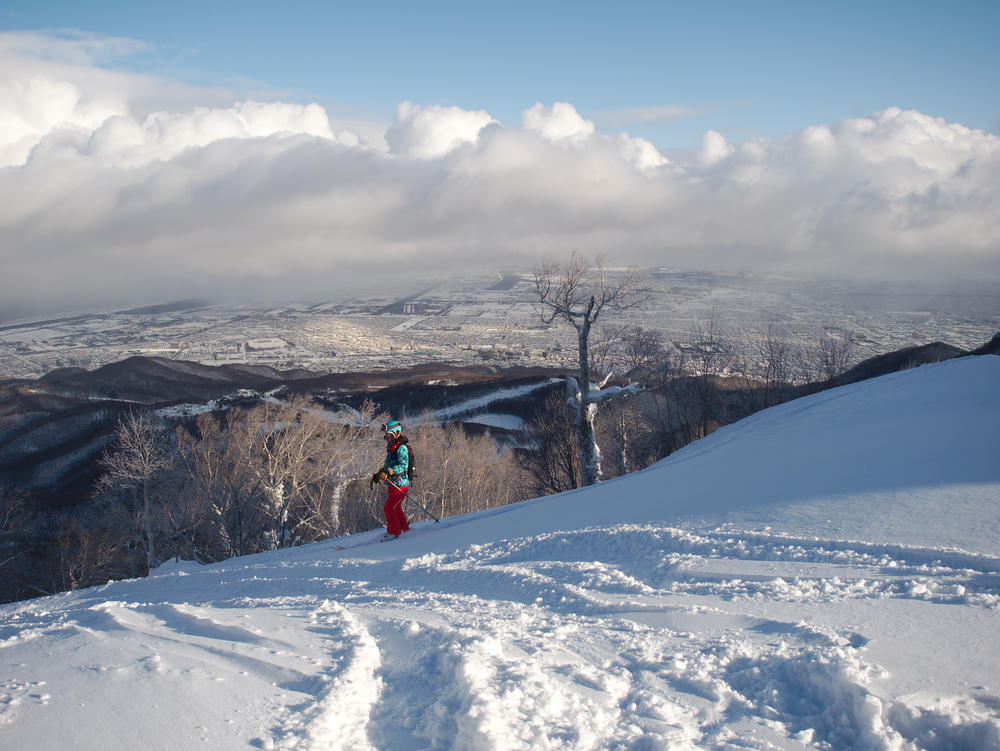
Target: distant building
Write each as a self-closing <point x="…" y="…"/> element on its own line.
<point x="495" y="351"/>
<point x="265" y="345"/>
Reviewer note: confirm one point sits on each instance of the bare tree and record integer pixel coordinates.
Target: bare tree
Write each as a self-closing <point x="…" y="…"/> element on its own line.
<point x="631" y="350"/>
<point x="16" y="522"/>
<point x="15" y="517"/>
<point x="835" y="351"/>
<point x="710" y="358"/>
<point x="551" y="461"/>
<point x="139" y="455"/>
<point x="675" y="418"/>
<point x="766" y="361"/>
<point x="88" y="555"/>
<point x="353" y="447"/>
<point x="619" y="427"/>
<point x="459" y="472"/>
<point x="604" y="350"/>
<point x="578" y="293"/>
<point x="284" y="444"/>
<point x="218" y="474"/>
<point x="643" y="350"/>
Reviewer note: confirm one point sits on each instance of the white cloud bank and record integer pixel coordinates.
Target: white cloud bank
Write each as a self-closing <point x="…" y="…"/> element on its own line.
<point x="119" y="187"/>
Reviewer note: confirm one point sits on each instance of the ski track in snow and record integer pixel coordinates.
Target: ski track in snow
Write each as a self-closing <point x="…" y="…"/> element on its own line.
<point x="626" y="637"/>
<point x="687" y="634"/>
<point x="572" y="663"/>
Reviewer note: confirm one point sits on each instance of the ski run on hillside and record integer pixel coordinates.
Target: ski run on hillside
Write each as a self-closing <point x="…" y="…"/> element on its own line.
<point x="822" y="575"/>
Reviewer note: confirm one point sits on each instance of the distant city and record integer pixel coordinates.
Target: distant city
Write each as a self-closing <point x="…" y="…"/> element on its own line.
<point x="494" y="316"/>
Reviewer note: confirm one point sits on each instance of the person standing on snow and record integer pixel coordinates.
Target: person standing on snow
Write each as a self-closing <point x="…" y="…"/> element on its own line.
<point x="395" y="473"/>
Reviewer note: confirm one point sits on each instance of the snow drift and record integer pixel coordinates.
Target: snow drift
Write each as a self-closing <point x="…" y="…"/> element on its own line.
<point x="825" y="574"/>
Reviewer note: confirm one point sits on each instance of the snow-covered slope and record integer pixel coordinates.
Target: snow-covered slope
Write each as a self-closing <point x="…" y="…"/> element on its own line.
<point x="825" y="574"/>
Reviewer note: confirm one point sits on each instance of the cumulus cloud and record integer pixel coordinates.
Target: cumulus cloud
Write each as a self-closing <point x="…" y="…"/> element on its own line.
<point x="559" y="122"/>
<point x="641" y="152"/>
<point x="429" y="132"/>
<point x="109" y="200"/>
<point x="127" y="142"/>
<point x="713" y="148"/>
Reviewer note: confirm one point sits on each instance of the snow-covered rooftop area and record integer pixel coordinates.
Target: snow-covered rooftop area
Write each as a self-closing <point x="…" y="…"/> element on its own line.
<point x="824" y="574"/>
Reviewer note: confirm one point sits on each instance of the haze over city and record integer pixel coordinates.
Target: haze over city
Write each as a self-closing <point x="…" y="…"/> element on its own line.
<point x="312" y="151"/>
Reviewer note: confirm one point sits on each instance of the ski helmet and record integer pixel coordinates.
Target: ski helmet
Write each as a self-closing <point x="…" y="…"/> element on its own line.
<point x="393" y="428"/>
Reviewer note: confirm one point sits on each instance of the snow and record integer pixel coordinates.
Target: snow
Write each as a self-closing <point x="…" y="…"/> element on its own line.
<point x="822" y="575"/>
<point x="186" y="410"/>
<point x="504" y="421"/>
<point x="478" y="403"/>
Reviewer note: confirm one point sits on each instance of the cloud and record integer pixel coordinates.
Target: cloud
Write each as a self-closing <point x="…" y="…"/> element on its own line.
<point x="124" y="141"/>
<point x="429" y="132"/>
<point x="107" y="201"/>
<point x="559" y="122"/>
<point x="50" y="83"/>
<point x="713" y="148"/>
<point x="69" y="46"/>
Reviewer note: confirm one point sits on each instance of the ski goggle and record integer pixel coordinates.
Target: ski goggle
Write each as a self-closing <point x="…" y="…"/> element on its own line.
<point x="391" y="427"/>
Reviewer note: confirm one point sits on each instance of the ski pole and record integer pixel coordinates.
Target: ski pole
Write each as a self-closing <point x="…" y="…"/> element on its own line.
<point x="414" y="502"/>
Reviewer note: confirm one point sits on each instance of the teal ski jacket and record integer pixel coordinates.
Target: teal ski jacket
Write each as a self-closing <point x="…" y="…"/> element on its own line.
<point x="397" y="463"/>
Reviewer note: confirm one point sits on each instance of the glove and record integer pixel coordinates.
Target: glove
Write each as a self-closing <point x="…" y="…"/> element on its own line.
<point x="374" y="480"/>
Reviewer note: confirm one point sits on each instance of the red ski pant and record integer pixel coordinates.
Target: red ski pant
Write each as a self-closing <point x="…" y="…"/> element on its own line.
<point x="395" y="519"/>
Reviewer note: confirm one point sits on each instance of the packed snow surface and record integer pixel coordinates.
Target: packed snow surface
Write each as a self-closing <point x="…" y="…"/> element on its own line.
<point x="825" y="574"/>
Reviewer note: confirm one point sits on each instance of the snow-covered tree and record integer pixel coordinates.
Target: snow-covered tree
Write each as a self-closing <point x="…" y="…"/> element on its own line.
<point x="578" y="292"/>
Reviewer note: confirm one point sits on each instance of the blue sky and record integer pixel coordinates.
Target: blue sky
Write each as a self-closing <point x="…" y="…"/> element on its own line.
<point x="739" y="68"/>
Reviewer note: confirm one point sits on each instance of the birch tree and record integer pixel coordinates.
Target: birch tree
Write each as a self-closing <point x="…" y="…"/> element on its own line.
<point x="354" y="447"/>
<point x="225" y="484"/>
<point x="140" y="455"/>
<point x="578" y="293"/>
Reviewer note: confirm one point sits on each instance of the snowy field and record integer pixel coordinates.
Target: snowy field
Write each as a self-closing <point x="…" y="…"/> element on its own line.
<point x="825" y="574"/>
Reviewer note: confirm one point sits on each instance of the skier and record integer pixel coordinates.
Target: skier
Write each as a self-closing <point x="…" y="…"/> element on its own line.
<point x="395" y="473"/>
